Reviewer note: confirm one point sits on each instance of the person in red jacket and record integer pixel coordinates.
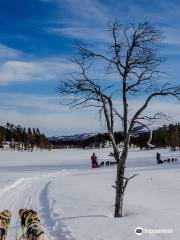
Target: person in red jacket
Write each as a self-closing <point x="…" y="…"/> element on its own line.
<point x="94" y="161"/>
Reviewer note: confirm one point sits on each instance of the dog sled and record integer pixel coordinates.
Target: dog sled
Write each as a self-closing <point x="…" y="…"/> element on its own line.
<point x="166" y="160"/>
<point x="104" y="164"/>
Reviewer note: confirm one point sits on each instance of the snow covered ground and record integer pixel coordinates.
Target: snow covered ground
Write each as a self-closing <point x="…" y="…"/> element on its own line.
<point x="76" y="202"/>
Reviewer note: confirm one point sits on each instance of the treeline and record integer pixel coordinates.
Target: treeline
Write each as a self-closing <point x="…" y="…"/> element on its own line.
<point x="163" y="137"/>
<point x="100" y="140"/>
<point x="167" y="136"/>
<point x="97" y="141"/>
<point x="17" y="137"/>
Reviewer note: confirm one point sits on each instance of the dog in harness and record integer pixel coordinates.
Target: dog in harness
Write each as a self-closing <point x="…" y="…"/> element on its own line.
<point x="5" y="217"/>
<point x="30" y="223"/>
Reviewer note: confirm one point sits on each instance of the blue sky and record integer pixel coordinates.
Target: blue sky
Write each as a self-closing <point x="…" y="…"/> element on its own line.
<point x="37" y="42"/>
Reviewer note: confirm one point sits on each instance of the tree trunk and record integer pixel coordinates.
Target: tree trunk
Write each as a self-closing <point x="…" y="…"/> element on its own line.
<point x="119" y="193"/>
<point x="120" y="180"/>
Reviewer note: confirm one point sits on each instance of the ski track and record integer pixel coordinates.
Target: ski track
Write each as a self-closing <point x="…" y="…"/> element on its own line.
<point x="33" y="193"/>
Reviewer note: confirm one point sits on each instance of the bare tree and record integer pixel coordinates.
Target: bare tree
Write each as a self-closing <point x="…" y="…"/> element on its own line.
<point x="133" y="57"/>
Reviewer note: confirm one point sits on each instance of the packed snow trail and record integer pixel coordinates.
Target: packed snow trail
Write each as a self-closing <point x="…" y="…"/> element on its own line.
<point x="32" y="193"/>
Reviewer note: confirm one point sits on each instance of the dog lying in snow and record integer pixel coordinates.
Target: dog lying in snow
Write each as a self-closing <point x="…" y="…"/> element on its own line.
<point x="5" y="218"/>
<point x="30" y="223"/>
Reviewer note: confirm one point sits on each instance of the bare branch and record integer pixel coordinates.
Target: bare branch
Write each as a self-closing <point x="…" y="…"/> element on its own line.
<point x="157" y="116"/>
<point x="126" y="182"/>
<point x="171" y="91"/>
<point x="150" y="132"/>
<point x="118" y="114"/>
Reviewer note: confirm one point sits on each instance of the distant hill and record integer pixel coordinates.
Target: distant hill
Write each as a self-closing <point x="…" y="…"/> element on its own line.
<point x="84" y="136"/>
<point x="70" y="138"/>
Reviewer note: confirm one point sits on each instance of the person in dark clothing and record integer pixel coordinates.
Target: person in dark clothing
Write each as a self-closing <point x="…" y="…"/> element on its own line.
<point x="158" y="157"/>
<point x="94" y="161"/>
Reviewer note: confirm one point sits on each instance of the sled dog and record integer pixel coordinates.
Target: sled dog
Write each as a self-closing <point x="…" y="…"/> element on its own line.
<point x="5" y="217"/>
<point x="30" y="223"/>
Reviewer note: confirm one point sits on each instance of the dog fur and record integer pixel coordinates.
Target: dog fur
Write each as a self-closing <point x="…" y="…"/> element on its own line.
<point x="30" y="223"/>
<point x="5" y="217"/>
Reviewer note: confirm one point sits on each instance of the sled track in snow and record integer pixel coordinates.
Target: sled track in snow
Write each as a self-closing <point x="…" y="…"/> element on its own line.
<point x="55" y="227"/>
<point x="33" y="193"/>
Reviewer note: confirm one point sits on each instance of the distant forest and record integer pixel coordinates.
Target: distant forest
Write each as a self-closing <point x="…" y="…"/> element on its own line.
<point x="163" y="137"/>
<point x="17" y="137"/>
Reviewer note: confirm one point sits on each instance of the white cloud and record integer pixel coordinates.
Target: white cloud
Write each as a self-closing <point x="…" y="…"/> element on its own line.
<point x="23" y="71"/>
<point x="83" y="33"/>
<point x="83" y="20"/>
<point x="8" y="53"/>
<point x="86" y="11"/>
<point x="30" y="103"/>
<point x="17" y="66"/>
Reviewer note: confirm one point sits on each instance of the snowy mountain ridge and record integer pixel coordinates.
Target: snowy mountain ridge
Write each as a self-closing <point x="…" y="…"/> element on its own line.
<point x="75" y="137"/>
